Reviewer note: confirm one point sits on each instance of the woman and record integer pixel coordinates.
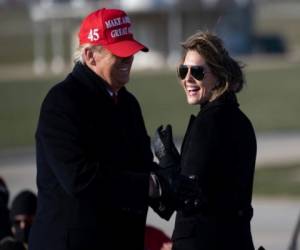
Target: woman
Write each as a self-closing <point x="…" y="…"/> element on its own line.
<point x="219" y="148"/>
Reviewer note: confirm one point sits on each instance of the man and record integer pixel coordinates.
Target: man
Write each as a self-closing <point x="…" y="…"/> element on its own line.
<point x="93" y="152"/>
<point x="22" y="213"/>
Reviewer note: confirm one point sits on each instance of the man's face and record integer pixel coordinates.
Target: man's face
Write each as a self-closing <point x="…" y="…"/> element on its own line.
<point x="21" y="225"/>
<point x="114" y="70"/>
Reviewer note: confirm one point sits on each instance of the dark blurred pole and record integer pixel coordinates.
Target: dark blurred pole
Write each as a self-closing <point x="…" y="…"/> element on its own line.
<point x="294" y="240"/>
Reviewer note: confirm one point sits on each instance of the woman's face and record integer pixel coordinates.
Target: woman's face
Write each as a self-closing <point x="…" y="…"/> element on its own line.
<point x="198" y="90"/>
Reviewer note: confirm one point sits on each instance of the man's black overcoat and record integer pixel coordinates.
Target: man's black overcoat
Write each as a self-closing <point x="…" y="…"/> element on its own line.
<point x="93" y="163"/>
<point x="220" y="149"/>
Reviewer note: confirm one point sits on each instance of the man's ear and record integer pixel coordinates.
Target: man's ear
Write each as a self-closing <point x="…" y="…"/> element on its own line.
<point x="88" y="56"/>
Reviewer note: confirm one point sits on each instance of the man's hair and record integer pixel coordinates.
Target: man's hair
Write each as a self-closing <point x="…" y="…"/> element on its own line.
<point x="24" y="203"/>
<point x="222" y="65"/>
<point x="78" y="54"/>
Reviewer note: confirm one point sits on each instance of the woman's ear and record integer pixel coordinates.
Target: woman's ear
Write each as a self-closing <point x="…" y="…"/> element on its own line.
<point x="217" y="83"/>
<point x="88" y="56"/>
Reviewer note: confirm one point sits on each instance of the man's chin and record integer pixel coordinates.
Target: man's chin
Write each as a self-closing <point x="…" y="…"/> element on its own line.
<point x="121" y="83"/>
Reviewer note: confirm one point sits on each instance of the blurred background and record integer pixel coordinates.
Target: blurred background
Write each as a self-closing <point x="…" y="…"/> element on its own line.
<point x="38" y="38"/>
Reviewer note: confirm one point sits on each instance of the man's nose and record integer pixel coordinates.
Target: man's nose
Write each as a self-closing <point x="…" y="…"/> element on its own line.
<point x="127" y="59"/>
<point x="22" y="224"/>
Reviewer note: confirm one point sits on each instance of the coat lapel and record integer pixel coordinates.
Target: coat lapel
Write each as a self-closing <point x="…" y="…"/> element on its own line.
<point x="186" y="136"/>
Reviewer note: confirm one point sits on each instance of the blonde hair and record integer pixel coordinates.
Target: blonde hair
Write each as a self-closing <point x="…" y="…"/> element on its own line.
<point x="78" y="53"/>
<point x="222" y="65"/>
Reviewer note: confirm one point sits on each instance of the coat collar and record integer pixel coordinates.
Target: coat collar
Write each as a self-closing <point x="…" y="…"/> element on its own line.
<point x="188" y="130"/>
<point x="94" y="82"/>
<point x="89" y="78"/>
<point x="228" y="98"/>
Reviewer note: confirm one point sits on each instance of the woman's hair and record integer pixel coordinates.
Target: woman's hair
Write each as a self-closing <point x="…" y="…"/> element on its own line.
<point x="78" y="54"/>
<point x="222" y="65"/>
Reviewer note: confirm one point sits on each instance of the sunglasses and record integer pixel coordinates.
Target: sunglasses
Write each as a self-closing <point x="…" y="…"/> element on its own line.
<point x="197" y="71"/>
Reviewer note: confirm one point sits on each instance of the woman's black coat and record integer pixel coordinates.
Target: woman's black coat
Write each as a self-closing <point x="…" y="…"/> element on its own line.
<point x="220" y="149"/>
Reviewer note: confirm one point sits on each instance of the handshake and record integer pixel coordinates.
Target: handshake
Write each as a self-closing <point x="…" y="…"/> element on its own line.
<point x="169" y="189"/>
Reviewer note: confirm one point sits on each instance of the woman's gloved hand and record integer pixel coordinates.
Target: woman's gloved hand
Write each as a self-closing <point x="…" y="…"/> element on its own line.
<point x="164" y="147"/>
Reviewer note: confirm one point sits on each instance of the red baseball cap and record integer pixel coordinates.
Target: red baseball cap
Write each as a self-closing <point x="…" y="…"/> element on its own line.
<point x="110" y="28"/>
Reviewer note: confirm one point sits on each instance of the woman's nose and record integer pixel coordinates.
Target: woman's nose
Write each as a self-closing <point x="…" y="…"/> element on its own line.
<point x="189" y="76"/>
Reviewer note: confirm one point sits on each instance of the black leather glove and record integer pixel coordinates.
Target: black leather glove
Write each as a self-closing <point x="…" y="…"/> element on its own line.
<point x="163" y="202"/>
<point x="164" y="148"/>
<point x="178" y="191"/>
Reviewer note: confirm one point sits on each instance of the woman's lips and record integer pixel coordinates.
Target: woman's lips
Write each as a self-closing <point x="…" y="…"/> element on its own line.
<point x="192" y="91"/>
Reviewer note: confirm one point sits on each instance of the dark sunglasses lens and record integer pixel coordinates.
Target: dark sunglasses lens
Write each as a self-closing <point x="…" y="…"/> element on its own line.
<point x="197" y="72"/>
<point x="182" y="71"/>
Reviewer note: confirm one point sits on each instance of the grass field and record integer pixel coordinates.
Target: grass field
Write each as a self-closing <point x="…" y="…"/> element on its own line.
<point x="19" y="105"/>
<point x="270" y="99"/>
<point x="274" y="181"/>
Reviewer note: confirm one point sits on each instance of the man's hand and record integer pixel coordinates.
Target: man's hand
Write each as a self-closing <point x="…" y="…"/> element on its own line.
<point x="164" y="148"/>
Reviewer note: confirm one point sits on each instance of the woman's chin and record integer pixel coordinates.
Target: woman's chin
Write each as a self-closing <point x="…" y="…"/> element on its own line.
<point x="193" y="100"/>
